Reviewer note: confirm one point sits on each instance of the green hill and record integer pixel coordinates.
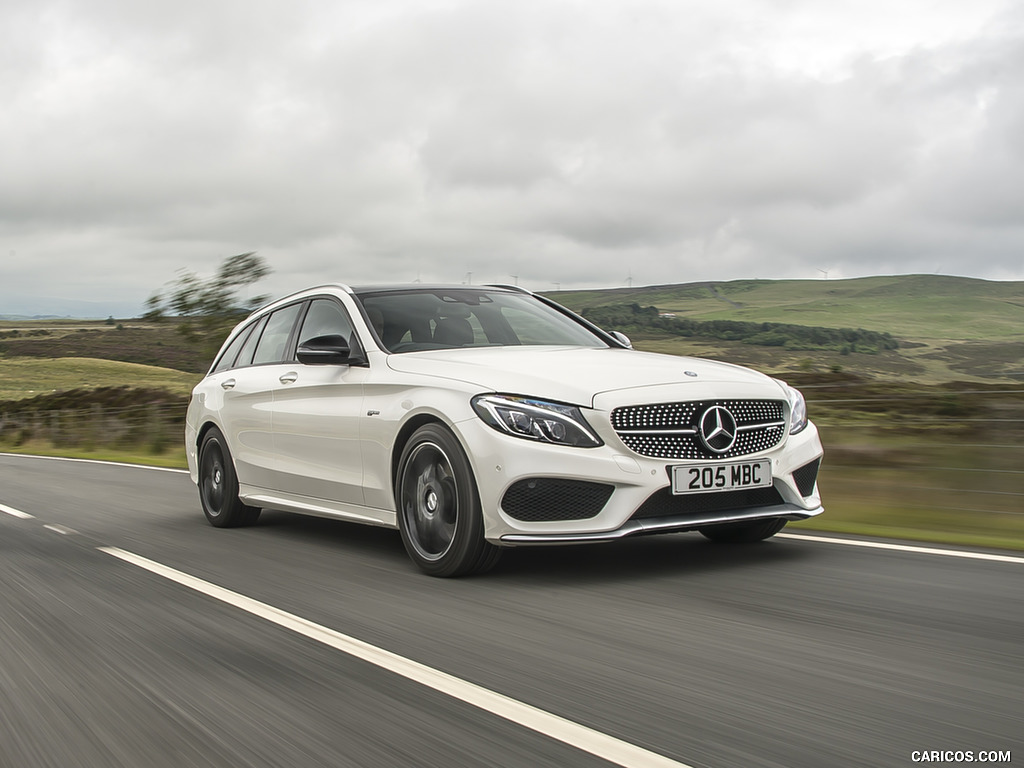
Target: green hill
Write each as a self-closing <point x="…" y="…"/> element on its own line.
<point x="946" y="327"/>
<point x="943" y="328"/>
<point x="911" y="306"/>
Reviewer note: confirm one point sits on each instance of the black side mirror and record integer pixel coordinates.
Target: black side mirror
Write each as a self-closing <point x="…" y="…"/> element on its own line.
<point x="325" y="350"/>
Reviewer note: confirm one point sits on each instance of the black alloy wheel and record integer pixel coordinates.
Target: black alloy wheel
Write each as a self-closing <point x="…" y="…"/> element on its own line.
<point x="439" y="512"/>
<point x="218" y="485"/>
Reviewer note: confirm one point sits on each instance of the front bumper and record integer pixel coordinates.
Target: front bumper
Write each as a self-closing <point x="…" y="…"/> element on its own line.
<point x="675" y="524"/>
<point x="501" y="462"/>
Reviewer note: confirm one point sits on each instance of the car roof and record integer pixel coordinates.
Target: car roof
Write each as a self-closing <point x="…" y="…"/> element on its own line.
<point x="431" y="287"/>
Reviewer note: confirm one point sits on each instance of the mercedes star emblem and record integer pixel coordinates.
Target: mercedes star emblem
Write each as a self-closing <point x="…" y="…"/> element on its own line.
<point x="718" y="429"/>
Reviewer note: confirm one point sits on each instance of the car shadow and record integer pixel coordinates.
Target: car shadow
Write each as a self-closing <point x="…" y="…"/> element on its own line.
<point x="642" y="557"/>
<point x="366" y="539"/>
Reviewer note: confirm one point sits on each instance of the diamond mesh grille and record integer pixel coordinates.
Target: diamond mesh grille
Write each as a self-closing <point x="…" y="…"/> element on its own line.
<point x="653" y="430"/>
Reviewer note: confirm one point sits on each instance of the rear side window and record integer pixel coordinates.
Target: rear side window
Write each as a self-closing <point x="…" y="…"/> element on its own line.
<point x="245" y="356"/>
<point x="273" y="344"/>
<point x="227" y="360"/>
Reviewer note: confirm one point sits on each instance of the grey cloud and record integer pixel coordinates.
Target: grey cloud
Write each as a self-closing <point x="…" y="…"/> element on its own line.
<point x="558" y="141"/>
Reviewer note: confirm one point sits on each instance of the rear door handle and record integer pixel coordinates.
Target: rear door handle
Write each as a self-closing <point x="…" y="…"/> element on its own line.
<point x="227" y="384"/>
<point x="288" y="378"/>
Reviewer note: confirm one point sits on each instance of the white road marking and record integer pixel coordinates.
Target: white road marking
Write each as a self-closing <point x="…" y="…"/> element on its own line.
<point x="15" y="512"/>
<point x="906" y="548"/>
<point x="566" y="731"/>
<point x="63" y="530"/>
<point x="95" y="461"/>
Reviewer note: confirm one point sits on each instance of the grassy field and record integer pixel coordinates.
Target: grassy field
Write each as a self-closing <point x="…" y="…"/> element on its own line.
<point x="22" y="377"/>
<point x="948" y="327"/>
<point x="909" y="306"/>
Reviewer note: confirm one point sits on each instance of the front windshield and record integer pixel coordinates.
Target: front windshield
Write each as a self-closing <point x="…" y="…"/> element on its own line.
<point x="420" y="319"/>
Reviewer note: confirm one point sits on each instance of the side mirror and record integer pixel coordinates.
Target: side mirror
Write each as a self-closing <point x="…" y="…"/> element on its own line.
<point x="622" y="338"/>
<point x="325" y="350"/>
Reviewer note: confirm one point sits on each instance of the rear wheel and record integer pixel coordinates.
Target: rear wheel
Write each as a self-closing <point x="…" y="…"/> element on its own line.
<point x="439" y="513"/>
<point x="737" y="533"/>
<point x="218" y="485"/>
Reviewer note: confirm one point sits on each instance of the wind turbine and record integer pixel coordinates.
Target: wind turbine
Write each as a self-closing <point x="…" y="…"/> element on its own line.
<point x="825" y="272"/>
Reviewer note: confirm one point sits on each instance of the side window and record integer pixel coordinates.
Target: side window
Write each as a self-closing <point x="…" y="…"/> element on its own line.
<point x="227" y="360"/>
<point x="245" y="356"/>
<point x="273" y="344"/>
<point x="325" y="318"/>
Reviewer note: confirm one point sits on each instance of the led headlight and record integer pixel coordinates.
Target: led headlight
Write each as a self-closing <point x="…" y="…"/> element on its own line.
<point x="536" y="420"/>
<point x="797" y="410"/>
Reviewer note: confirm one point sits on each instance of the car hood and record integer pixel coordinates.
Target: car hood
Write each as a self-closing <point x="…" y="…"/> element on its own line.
<point x="585" y="376"/>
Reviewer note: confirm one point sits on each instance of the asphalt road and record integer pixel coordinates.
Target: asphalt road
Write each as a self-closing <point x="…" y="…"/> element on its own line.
<point x="788" y="653"/>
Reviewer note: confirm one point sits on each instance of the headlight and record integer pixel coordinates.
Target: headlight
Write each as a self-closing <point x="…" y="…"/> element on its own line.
<point x="536" y="420"/>
<point x="797" y="410"/>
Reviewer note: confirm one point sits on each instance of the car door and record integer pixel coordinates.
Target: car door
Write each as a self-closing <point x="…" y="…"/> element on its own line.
<point x="317" y="411"/>
<point x="247" y="405"/>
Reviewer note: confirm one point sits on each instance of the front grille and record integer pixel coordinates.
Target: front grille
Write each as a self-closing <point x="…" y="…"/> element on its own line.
<point x="664" y="503"/>
<point x="806" y="476"/>
<point x="670" y="430"/>
<point x="544" y="499"/>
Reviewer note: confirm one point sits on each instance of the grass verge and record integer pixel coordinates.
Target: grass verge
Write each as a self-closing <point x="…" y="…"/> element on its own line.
<point x="173" y="458"/>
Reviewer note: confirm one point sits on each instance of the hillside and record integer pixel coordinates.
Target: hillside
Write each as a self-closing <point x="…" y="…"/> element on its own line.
<point x="910" y="306"/>
<point x="129" y="341"/>
<point x="947" y="327"/>
<point x="943" y="328"/>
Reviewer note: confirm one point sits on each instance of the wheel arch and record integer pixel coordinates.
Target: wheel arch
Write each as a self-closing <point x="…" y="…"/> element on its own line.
<point x="203" y="430"/>
<point x="407" y="430"/>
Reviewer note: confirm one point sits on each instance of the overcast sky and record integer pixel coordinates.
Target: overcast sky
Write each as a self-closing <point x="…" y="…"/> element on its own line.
<point x="579" y="144"/>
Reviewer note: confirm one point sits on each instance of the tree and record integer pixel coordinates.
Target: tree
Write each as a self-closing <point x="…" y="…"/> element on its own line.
<point x="207" y="310"/>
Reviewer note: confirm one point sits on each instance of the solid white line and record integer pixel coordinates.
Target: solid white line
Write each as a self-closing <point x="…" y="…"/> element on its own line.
<point x="566" y="731"/>
<point x="906" y="548"/>
<point x="16" y="512"/>
<point x="94" y="461"/>
<point x="61" y="529"/>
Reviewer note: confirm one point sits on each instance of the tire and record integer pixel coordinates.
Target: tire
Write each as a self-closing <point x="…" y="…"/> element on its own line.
<point x="218" y="485"/>
<point x="739" y="533"/>
<point x="439" y="512"/>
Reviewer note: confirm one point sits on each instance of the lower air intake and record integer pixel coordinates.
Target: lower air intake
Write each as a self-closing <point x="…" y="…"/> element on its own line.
<point x="806" y="476"/>
<point x="664" y="503"/>
<point x="545" y="499"/>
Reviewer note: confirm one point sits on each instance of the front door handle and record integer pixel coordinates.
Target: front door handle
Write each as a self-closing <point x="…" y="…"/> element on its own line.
<point x="227" y="384"/>
<point x="288" y="378"/>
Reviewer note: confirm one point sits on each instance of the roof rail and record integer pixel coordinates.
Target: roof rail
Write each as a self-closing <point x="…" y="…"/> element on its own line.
<point x="515" y="288"/>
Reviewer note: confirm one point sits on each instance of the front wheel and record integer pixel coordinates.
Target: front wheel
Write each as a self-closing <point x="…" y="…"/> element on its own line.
<point x="439" y="512"/>
<point x="218" y="485"/>
<point x="738" y="533"/>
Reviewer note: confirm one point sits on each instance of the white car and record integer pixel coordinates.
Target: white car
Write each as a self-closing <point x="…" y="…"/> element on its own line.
<point x="478" y="418"/>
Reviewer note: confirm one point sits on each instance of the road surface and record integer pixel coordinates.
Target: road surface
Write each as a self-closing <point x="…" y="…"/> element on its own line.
<point x="134" y="634"/>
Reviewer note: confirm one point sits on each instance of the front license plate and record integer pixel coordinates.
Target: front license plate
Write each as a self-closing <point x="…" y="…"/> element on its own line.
<point x="709" y="478"/>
